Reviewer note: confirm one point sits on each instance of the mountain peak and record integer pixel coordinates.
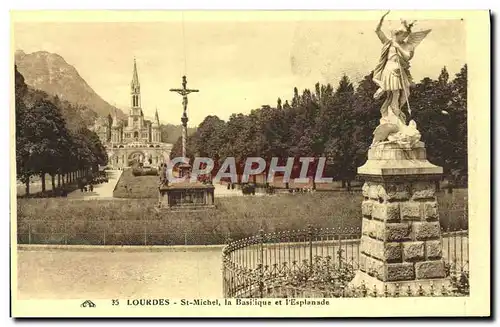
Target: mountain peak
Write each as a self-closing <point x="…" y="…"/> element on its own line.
<point x="51" y="73"/>
<point x="20" y="53"/>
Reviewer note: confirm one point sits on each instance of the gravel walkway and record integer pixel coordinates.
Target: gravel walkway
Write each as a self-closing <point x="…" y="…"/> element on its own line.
<point x="65" y="274"/>
<point x="102" y="191"/>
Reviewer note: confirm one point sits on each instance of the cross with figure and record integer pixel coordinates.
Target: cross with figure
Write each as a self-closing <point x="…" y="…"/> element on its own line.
<point x="184" y="92"/>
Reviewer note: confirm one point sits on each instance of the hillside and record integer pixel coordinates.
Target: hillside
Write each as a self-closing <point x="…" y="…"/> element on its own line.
<point x="50" y="73"/>
<point x="170" y="133"/>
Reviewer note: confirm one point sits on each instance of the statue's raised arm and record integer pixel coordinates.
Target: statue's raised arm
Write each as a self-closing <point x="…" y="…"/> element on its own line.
<point x="378" y="30"/>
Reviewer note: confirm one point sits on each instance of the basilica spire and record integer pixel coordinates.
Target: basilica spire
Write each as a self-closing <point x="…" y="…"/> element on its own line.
<point x="135" y="77"/>
<point x="135" y="90"/>
<point x="115" y="119"/>
<point x="157" y="118"/>
<point x="156" y="121"/>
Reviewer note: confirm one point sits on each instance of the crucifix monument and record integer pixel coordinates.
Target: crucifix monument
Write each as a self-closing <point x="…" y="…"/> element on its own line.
<point x="184" y="92"/>
<point x="191" y="195"/>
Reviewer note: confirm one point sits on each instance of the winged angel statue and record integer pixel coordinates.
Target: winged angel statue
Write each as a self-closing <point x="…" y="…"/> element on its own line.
<point x="392" y="75"/>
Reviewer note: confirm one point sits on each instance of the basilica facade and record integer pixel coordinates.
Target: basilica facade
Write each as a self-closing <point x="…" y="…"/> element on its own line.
<point x="134" y="139"/>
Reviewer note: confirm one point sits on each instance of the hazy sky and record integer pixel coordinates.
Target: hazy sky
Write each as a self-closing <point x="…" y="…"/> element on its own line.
<point x="238" y="66"/>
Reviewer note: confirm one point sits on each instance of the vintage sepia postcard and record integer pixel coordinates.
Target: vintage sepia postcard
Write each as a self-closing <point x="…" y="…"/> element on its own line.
<point x="250" y="163"/>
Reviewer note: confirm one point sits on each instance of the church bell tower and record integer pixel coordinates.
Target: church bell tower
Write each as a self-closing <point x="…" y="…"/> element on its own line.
<point x="135" y="92"/>
<point x="135" y="119"/>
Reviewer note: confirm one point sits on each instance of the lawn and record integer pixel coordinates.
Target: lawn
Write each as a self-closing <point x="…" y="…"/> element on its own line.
<point x="136" y="187"/>
<point x="135" y="221"/>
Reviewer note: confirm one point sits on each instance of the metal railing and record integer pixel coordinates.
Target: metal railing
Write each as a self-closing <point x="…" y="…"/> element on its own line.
<point x="148" y="229"/>
<point x="320" y="262"/>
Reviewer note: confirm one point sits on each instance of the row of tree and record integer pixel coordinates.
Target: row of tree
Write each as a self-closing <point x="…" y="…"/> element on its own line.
<point x="338" y="124"/>
<point x="52" y="138"/>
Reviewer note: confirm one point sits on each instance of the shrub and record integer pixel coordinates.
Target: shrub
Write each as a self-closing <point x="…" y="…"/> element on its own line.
<point x="248" y="189"/>
<point x="136" y="171"/>
<point x="150" y="172"/>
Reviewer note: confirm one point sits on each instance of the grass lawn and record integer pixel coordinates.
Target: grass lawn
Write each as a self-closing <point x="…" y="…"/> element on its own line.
<point x="136" y="187"/>
<point x="136" y="222"/>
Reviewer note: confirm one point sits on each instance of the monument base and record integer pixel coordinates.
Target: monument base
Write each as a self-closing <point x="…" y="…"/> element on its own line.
<point x="186" y="196"/>
<point x="401" y="242"/>
<point x="427" y="287"/>
<point x="392" y="162"/>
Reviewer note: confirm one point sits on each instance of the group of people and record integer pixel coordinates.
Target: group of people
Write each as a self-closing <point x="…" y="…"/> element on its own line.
<point x="84" y="187"/>
<point x="88" y="186"/>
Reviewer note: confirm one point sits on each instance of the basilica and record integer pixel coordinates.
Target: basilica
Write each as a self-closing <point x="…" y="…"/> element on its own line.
<point x="134" y="139"/>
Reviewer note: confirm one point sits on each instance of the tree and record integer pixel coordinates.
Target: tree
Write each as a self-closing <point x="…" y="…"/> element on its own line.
<point x="303" y="129"/>
<point x="45" y="142"/>
<point x="110" y="123"/>
<point x="177" y="148"/>
<point x="210" y="137"/>
<point x="46" y="134"/>
<point x="457" y="110"/>
<point x="24" y="146"/>
<point x="427" y="103"/>
<point x="339" y="124"/>
<point x="341" y="146"/>
<point x="367" y="111"/>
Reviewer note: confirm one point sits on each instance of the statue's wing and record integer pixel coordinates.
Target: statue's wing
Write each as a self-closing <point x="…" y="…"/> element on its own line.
<point x="414" y="39"/>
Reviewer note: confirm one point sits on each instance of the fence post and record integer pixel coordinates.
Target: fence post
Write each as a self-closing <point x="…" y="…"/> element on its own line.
<point x="261" y="264"/>
<point x="29" y="233"/>
<point x="339" y="252"/>
<point x="65" y="233"/>
<point x="310" y="234"/>
<point x="145" y="236"/>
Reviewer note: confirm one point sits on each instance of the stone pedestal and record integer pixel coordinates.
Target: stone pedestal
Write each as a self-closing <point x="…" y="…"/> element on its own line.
<point x="401" y="240"/>
<point x="186" y="196"/>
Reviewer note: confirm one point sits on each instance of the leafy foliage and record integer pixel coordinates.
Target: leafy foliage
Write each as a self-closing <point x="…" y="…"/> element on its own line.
<point x="45" y="142"/>
<point x="338" y="124"/>
<point x="248" y="189"/>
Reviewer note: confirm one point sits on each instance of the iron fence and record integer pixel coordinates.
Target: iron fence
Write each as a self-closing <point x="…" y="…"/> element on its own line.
<point x="209" y="230"/>
<point x="320" y="262"/>
<point x="142" y="237"/>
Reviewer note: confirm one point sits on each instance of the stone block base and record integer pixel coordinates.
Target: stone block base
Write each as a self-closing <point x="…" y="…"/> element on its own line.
<point x="427" y="287"/>
<point x="401" y="243"/>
